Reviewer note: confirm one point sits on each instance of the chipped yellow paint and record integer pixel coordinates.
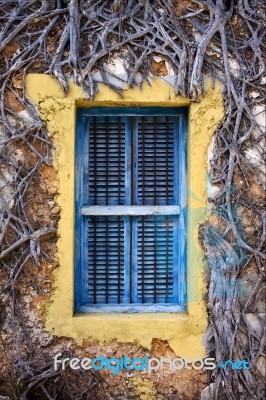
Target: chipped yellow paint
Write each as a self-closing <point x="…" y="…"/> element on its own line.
<point x="183" y="331"/>
<point x="143" y="389"/>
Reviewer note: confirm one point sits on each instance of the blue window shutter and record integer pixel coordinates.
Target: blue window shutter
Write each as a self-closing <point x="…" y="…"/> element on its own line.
<point x="107" y="185"/>
<point x="130" y="157"/>
<point x="154" y="262"/>
<point x="107" y="158"/>
<point x="157" y="167"/>
<point x="155" y="266"/>
<point x="106" y="260"/>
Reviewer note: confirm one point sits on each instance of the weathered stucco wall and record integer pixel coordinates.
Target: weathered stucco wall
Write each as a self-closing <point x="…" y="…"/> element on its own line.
<point x="178" y="43"/>
<point x="183" y="332"/>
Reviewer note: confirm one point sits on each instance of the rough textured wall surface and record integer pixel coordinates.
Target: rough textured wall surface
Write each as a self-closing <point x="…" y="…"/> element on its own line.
<point x="43" y="207"/>
<point x="184" y="334"/>
<point x="79" y="39"/>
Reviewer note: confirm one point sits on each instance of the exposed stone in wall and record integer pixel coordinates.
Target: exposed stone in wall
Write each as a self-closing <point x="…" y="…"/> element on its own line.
<point x="35" y="291"/>
<point x="29" y="297"/>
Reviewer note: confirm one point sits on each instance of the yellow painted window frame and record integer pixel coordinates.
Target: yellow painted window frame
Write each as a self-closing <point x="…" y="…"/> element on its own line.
<point x="184" y="332"/>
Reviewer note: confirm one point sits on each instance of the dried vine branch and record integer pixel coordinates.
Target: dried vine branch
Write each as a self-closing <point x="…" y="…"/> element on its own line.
<point x="77" y="40"/>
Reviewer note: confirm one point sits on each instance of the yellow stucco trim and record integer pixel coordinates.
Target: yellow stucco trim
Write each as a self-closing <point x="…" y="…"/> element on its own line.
<point x="183" y="331"/>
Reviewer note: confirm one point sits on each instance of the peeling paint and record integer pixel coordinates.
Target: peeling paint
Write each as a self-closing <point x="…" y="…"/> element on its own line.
<point x="184" y="332"/>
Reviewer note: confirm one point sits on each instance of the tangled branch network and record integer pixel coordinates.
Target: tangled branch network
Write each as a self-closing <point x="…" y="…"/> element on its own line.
<point x="77" y="40"/>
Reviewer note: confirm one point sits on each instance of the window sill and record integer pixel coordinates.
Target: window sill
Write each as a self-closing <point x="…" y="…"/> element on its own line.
<point x="132" y="308"/>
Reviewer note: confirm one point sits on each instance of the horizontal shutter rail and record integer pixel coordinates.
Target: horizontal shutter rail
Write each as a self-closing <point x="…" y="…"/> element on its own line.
<point x="129" y="210"/>
<point x="100" y="112"/>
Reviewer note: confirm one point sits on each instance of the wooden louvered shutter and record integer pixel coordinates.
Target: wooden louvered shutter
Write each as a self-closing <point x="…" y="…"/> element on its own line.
<point x="130" y="209"/>
<point x="156" y="272"/>
<point x="157" y="164"/>
<point x="107" y="160"/>
<point x="106" y="260"/>
<point x="155" y="239"/>
<point x="105" y="180"/>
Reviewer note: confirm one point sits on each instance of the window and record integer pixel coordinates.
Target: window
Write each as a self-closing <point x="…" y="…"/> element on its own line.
<point x="131" y="201"/>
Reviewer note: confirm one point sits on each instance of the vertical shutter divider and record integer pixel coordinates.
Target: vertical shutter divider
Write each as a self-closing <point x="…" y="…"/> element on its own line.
<point x="143" y="161"/>
<point x="127" y="226"/>
<point x="119" y="218"/>
<point x="155" y="202"/>
<point x="177" y="190"/>
<point x="176" y="257"/>
<point x="167" y="202"/>
<point x="81" y="226"/>
<point x="107" y="202"/>
<point x="181" y="129"/>
<point x="95" y="202"/>
<point x="143" y="221"/>
<point x="142" y="262"/>
<point x="94" y="262"/>
<point x="84" y="241"/>
<point x="134" y="197"/>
